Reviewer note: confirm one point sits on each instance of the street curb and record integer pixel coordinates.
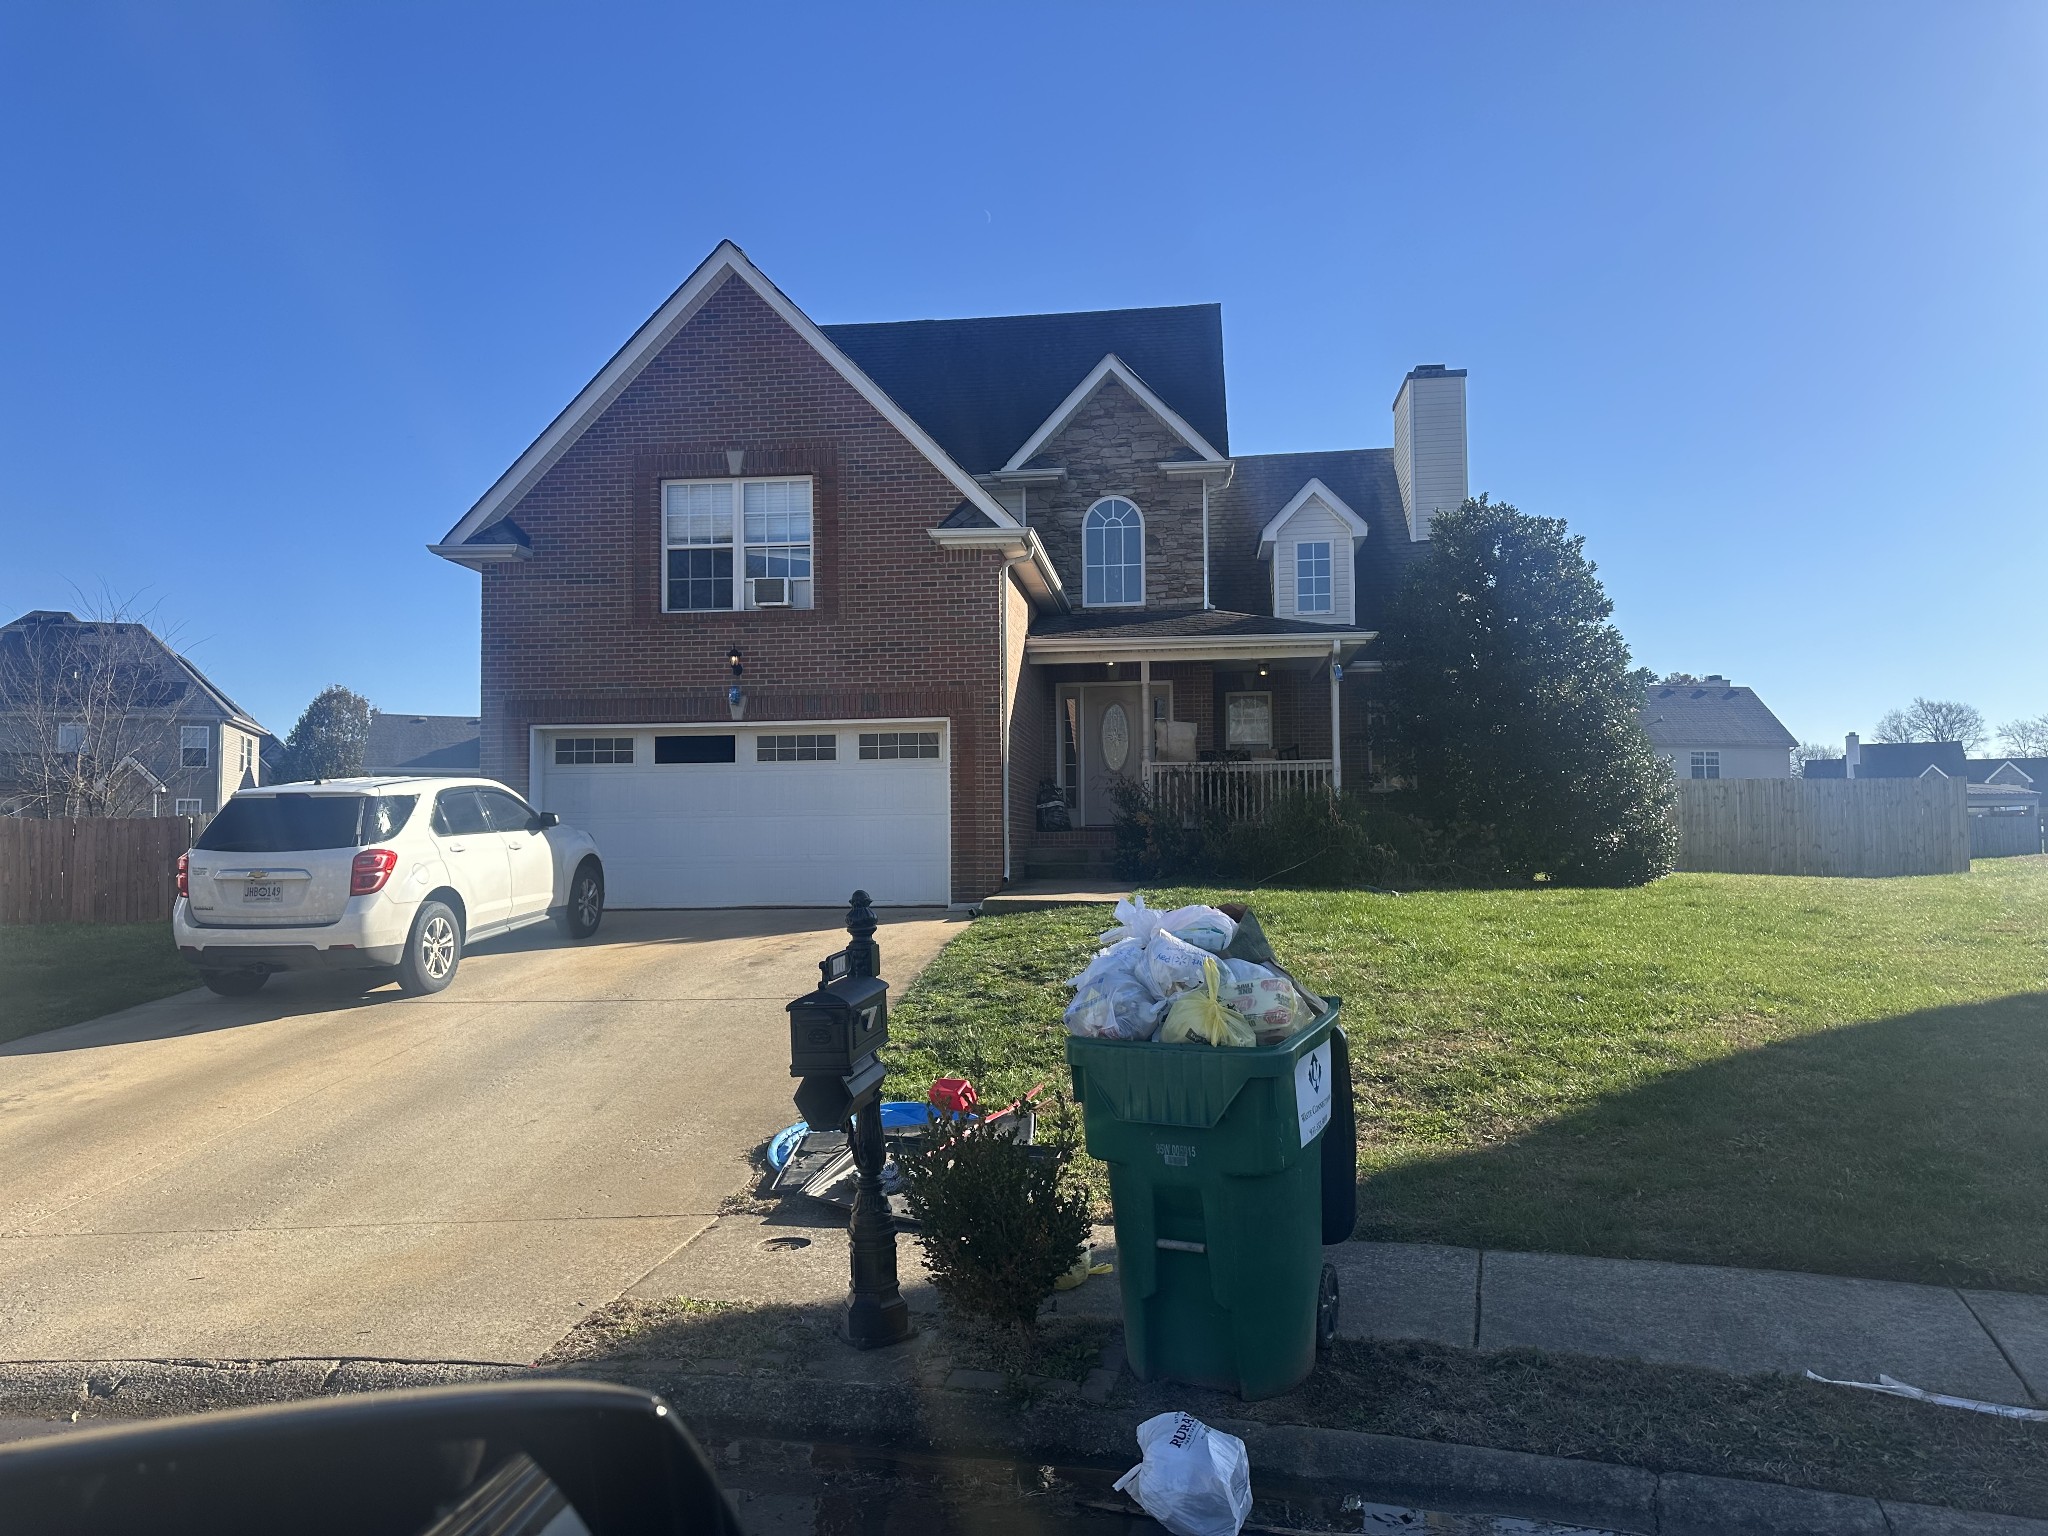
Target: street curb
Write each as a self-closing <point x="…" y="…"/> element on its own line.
<point x="907" y="1416"/>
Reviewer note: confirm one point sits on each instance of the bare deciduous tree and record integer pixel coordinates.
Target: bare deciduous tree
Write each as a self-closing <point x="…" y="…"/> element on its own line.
<point x="1934" y="720"/>
<point x="85" y="707"/>
<point x="2027" y="737"/>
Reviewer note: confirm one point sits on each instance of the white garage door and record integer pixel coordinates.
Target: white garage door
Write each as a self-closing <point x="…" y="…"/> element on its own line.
<point x="757" y="815"/>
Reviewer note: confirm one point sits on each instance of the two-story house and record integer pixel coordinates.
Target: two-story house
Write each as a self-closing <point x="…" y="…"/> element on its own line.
<point x="102" y="718"/>
<point x="777" y="610"/>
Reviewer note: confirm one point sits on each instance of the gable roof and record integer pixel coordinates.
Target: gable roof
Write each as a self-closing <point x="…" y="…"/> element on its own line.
<point x="725" y="263"/>
<point x="2021" y="772"/>
<point x="1910" y="759"/>
<point x="1710" y="714"/>
<point x="423" y="743"/>
<point x="1315" y="490"/>
<point x="175" y="678"/>
<point x="1112" y="367"/>
<point x="982" y="386"/>
<point x="1261" y="484"/>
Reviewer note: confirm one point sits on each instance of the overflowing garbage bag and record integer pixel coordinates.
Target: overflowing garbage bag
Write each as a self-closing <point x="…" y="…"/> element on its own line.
<point x="1196" y="973"/>
<point x="1194" y="1480"/>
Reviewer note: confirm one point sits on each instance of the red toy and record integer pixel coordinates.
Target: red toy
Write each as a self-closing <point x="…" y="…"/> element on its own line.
<point x="955" y="1095"/>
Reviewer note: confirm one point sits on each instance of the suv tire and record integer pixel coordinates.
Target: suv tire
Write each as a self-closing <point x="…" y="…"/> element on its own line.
<point x="579" y="918"/>
<point x="432" y="950"/>
<point x="234" y="983"/>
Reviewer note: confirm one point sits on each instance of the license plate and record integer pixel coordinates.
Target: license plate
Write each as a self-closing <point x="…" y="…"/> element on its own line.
<point x="262" y="895"/>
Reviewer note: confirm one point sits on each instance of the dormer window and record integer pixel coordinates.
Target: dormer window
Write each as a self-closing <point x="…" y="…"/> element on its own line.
<point x="1312" y="592"/>
<point x="1113" y="555"/>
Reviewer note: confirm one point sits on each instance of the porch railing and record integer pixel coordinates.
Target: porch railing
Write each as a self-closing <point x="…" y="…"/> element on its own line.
<point x="1241" y="791"/>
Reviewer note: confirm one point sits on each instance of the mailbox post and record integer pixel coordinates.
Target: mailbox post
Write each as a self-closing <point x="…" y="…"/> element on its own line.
<point x="834" y="1034"/>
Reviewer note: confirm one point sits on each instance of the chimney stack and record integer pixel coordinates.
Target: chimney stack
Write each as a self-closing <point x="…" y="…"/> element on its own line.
<point x="1429" y="444"/>
<point x="1852" y="755"/>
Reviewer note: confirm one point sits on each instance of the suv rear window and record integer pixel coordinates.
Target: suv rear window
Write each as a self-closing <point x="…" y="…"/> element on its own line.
<point x="292" y="823"/>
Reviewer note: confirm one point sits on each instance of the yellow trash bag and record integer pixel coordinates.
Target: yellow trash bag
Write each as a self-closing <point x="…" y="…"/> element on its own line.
<point x="1201" y="1016"/>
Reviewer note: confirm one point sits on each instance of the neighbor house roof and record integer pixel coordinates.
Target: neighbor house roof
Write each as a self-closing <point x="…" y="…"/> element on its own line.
<point x="1895" y="760"/>
<point x="1983" y="770"/>
<point x="174" y="678"/>
<point x="1710" y="714"/>
<point x="425" y="744"/>
<point x="982" y="387"/>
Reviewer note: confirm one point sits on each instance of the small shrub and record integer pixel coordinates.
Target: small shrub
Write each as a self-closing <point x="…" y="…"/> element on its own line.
<point x="999" y="1222"/>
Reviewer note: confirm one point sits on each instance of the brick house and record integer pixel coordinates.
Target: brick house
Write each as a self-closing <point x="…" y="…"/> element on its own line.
<point x="777" y="610"/>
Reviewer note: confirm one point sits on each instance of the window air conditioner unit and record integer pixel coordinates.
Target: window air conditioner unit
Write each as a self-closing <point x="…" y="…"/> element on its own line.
<point x="770" y="591"/>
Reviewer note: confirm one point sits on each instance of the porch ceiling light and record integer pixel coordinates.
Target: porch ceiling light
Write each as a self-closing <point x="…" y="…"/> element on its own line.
<point x="1262" y="669"/>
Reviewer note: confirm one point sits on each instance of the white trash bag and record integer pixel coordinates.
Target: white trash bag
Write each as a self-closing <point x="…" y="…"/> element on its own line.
<point x="1111" y="1001"/>
<point x="1172" y="966"/>
<point x="1194" y="1480"/>
<point x="1204" y="927"/>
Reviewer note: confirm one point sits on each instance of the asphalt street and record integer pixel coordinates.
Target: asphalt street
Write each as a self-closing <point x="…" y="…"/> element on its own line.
<point x="332" y="1170"/>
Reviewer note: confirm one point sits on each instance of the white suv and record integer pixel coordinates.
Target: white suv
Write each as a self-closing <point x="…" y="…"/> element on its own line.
<point x="352" y="873"/>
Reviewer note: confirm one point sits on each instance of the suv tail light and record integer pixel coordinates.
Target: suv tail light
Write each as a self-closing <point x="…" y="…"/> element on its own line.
<point x="371" y="869"/>
<point x="185" y="875"/>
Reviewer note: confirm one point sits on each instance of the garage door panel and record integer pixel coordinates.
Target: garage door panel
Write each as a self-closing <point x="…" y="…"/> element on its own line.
<point x="748" y="833"/>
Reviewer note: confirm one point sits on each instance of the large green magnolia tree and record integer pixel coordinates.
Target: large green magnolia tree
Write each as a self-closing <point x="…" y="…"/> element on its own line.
<point x="1513" y="707"/>
<point x="329" y="740"/>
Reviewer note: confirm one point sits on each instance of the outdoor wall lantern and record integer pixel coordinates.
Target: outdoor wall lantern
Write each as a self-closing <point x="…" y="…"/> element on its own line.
<point x="735" y="696"/>
<point x="1262" y="669"/>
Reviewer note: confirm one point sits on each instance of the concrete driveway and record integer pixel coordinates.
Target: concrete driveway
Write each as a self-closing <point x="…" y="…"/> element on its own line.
<point x="330" y="1169"/>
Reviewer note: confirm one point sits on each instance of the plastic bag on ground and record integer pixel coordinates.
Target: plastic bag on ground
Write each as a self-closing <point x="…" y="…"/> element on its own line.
<point x="1111" y="1000"/>
<point x="1194" y="1480"/>
<point x="1201" y="1016"/>
<point x="1172" y="966"/>
<point x="1204" y="927"/>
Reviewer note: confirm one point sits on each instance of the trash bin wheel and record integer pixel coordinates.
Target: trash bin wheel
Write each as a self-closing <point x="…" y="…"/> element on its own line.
<point x="1326" y="1310"/>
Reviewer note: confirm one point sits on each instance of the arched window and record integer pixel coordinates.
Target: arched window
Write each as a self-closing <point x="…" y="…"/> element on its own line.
<point x="1112" y="554"/>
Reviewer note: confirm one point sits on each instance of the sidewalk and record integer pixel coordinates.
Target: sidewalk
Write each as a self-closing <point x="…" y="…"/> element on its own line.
<point x="1982" y="1344"/>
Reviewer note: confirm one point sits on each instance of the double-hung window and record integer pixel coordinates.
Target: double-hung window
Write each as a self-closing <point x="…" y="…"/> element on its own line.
<point x="1706" y="765"/>
<point x="195" y="746"/>
<point x="1312" y="592"/>
<point x="731" y="544"/>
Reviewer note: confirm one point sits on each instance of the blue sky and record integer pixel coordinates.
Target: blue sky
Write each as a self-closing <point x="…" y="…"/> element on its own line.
<point x="1751" y="294"/>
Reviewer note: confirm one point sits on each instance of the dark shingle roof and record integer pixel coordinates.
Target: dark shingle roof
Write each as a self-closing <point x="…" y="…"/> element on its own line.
<point x="1178" y="624"/>
<point x="1264" y="483"/>
<point x="422" y="744"/>
<point x="161" y="678"/>
<point x="2035" y="768"/>
<point x="1711" y="714"/>
<point x="1824" y="768"/>
<point x="1910" y="759"/>
<point x="982" y="387"/>
<point x="967" y="515"/>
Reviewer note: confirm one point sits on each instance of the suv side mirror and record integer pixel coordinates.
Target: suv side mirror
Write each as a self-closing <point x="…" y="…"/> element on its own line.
<point x="542" y="820"/>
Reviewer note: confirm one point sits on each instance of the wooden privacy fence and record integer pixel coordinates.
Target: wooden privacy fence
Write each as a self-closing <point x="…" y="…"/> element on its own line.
<point x="1824" y="826"/>
<point x="99" y="870"/>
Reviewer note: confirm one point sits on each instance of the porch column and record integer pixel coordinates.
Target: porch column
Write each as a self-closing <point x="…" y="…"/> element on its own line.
<point x="1336" y="728"/>
<point x="1145" y="716"/>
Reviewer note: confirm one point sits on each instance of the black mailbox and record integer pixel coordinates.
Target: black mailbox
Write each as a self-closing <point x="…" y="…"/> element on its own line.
<point x="834" y="1029"/>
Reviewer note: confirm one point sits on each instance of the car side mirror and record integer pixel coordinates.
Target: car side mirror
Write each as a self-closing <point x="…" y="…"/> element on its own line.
<point x="542" y="820"/>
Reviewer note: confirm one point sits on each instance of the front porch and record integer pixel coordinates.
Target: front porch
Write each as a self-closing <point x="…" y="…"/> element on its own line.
<point x="1209" y="711"/>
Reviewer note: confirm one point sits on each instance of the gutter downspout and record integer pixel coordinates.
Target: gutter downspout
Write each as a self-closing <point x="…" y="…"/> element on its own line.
<point x="1205" y="543"/>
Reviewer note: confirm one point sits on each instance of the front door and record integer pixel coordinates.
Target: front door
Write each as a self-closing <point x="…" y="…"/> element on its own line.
<point x="1111" y="747"/>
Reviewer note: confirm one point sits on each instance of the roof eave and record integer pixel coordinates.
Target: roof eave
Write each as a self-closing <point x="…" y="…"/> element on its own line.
<point x="477" y="556"/>
<point x="1090" y="648"/>
<point x="1026" y="551"/>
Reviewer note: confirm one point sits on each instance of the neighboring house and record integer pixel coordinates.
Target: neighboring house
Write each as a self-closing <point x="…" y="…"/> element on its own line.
<point x="779" y="610"/>
<point x="1713" y="730"/>
<point x="1891" y="760"/>
<point x="103" y="718"/>
<point x="421" y="744"/>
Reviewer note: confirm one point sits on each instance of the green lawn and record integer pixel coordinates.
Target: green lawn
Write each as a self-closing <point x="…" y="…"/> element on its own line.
<point x="1834" y="1075"/>
<point x="60" y="973"/>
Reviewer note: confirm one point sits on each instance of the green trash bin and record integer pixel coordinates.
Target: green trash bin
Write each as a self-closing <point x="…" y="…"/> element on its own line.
<point x="1215" y="1170"/>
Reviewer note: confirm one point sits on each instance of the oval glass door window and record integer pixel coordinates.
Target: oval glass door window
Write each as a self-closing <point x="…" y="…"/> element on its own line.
<point x="1116" y="737"/>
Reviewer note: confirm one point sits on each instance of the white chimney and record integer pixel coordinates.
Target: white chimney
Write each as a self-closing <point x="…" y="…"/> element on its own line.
<point x="1852" y="755"/>
<point x="1429" y="444"/>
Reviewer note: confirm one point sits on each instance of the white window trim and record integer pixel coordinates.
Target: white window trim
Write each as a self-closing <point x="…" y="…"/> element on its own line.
<point x="74" y="729"/>
<point x="1701" y="759"/>
<point x="1329" y="545"/>
<point x="189" y="806"/>
<point x="1102" y="501"/>
<point x="186" y="744"/>
<point x="739" y="546"/>
<point x="1248" y="693"/>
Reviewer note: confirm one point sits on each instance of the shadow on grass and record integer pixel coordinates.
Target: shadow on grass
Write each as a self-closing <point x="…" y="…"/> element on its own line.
<point x="1909" y="1148"/>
